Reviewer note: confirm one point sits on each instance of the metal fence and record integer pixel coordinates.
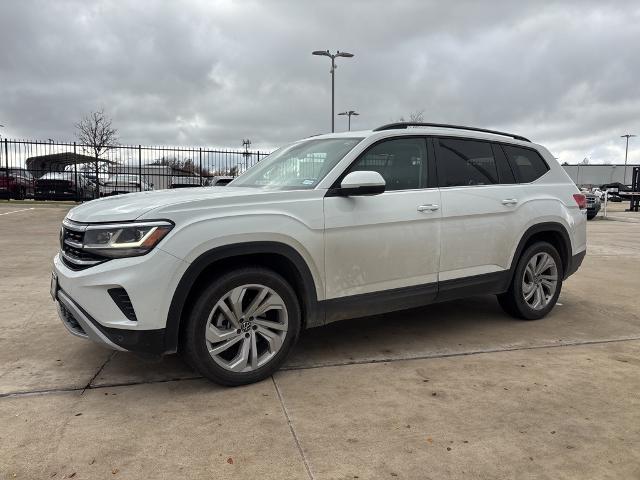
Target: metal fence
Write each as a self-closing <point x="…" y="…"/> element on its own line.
<point x="56" y="171"/>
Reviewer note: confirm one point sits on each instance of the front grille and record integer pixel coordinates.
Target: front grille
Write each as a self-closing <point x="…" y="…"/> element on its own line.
<point x="73" y="255"/>
<point x="122" y="300"/>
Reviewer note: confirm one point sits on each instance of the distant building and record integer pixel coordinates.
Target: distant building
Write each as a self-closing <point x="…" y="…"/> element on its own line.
<point x="591" y="175"/>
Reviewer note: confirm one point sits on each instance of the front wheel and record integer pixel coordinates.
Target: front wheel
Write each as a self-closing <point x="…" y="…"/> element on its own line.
<point x="536" y="283"/>
<point x="242" y="327"/>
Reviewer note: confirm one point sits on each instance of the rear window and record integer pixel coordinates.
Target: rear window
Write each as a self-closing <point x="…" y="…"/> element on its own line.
<point x="465" y="162"/>
<point x="527" y="164"/>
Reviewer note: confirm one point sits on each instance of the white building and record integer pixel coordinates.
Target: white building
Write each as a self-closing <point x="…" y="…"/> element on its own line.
<point x="599" y="174"/>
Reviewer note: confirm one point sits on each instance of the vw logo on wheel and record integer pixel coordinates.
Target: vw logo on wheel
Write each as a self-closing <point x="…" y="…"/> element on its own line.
<point x="245" y="326"/>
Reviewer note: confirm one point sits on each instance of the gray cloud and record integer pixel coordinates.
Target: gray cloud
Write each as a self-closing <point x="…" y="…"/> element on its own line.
<point x="213" y="72"/>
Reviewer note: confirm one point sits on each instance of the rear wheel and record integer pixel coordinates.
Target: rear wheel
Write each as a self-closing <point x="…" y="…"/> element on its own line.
<point x="242" y="327"/>
<point x="536" y="283"/>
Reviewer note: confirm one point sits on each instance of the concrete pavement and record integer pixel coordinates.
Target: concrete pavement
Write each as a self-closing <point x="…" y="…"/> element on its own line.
<point x="450" y="390"/>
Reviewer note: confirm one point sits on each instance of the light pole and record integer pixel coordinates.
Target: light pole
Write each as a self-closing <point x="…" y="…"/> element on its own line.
<point x="626" y="152"/>
<point x="349" y="113"/>
<point x="325" y="53"/>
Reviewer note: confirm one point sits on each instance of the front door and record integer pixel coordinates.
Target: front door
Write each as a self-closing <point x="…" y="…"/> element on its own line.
<point x="387" y="243"/>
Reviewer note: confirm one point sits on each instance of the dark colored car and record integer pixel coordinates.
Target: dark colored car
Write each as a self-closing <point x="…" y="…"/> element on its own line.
<point x="63" y="186"/>
<point x="593" y="205"/>
<point x="16" y="183"/>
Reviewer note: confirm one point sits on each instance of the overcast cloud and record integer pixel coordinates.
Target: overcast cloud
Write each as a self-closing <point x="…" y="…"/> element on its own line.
<point x="565" y="74"/>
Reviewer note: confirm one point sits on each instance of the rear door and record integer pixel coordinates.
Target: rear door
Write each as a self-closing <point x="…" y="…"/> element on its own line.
<point x="391" y="241"/>
<point x="479" y="209"/>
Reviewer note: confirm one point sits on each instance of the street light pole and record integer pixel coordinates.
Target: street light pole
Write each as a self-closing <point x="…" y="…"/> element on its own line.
<point x="626" y="152"/>
<point x="326" y="53"/>
<point x="349" y="113"/>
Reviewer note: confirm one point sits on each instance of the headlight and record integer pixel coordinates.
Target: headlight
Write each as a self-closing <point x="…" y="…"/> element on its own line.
<point x="125" y="239"/>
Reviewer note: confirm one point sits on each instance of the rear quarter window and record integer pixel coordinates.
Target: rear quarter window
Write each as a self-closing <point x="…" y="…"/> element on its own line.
<point x="527" y="165"/>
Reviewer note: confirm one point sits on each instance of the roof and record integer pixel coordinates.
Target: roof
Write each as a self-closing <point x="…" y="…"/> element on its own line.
<point x="409" y="128"/>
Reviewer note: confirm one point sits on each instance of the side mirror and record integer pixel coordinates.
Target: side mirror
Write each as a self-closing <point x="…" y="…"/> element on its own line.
<point x="361" y="183"/>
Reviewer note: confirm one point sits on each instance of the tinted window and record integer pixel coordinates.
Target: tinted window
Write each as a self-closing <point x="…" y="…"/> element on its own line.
<point x="465" y="162"/>
<point x="505" y="174"/>
<point x="402" y="162"/>
<point x="527" y="164"/>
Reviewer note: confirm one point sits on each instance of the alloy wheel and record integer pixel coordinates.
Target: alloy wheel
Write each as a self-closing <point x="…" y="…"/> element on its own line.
<point x="540" y="280"/>
<point x="246" y="328"/>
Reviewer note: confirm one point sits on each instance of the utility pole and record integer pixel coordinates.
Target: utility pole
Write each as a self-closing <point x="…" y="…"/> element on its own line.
<point x="325" y="53"/>
<point x="246" y="143"/>
<point x="626" y="152"/>
<point x="349" y="113"/>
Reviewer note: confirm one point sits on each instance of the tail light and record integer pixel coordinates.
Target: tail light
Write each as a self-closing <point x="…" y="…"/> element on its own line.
<point x="581" y="200"/>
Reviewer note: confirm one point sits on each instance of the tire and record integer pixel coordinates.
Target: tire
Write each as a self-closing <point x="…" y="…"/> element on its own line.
<point x="514" y="300"/>
<point x="591" y="216"/>
<point x="270" y="334"/>
<point x="21" y="193"/>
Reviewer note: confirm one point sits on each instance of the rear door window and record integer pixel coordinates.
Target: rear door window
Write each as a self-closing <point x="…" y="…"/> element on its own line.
<point x="463" y="162"/>
<point x="527" y="164"/>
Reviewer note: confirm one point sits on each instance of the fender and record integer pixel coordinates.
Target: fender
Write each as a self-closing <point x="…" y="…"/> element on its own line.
<point x="565" y="250"/>
<point x="314" y="312"/>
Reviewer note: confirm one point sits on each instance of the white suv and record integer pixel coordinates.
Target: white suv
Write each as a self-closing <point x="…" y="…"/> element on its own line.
<point x="327" y="228"/>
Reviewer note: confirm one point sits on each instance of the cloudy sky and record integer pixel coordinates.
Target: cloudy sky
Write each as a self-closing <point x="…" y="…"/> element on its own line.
<point x="209" y="73"/>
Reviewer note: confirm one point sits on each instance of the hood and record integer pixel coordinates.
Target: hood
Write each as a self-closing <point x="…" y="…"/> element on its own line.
<point x="131" y="206"/>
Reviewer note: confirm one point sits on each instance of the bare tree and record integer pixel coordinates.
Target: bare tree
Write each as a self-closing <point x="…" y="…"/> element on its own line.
<point x="414" y="117"/>
<point x="96" y="134"/>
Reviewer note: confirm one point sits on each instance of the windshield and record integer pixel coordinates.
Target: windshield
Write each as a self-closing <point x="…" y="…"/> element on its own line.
<point x="297" y="166"/>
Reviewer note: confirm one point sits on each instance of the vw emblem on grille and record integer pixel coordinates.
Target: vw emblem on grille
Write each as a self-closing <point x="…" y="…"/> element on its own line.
<point x="245" y="326"/>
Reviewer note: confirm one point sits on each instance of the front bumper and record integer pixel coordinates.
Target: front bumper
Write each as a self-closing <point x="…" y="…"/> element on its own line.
<point x="89" y="311"/>
<point x="80" y="324"/>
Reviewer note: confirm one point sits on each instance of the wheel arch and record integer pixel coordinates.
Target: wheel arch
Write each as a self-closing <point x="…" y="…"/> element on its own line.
<point x="279" y="257"/>
<point x="552" y="232"/>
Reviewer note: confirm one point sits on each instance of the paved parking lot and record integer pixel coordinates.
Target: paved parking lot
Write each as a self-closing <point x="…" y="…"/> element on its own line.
<point x="448" y="391"/>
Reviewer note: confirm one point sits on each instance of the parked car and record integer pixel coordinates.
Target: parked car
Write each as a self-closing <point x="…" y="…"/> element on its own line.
<point x="327" y="228"/>
<point x="124" y="183"/>
<point x="593" y="205"/>
<point x="63" y="186"/>
<point x="16" y="183"/>
<point x="185" y="181"/>
<point x="219" y="180"/>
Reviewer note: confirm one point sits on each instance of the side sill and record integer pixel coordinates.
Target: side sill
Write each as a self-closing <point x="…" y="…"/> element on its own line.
<point x="485" y="284"/>
<point x="374" y="303"/>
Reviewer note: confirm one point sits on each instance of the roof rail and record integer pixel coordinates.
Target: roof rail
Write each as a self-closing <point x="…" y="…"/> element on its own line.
<point x="400" y="125"/>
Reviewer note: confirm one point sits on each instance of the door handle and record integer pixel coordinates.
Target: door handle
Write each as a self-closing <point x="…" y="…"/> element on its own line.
<point x="510" y="201"/>
<point x="431" y="207"/>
